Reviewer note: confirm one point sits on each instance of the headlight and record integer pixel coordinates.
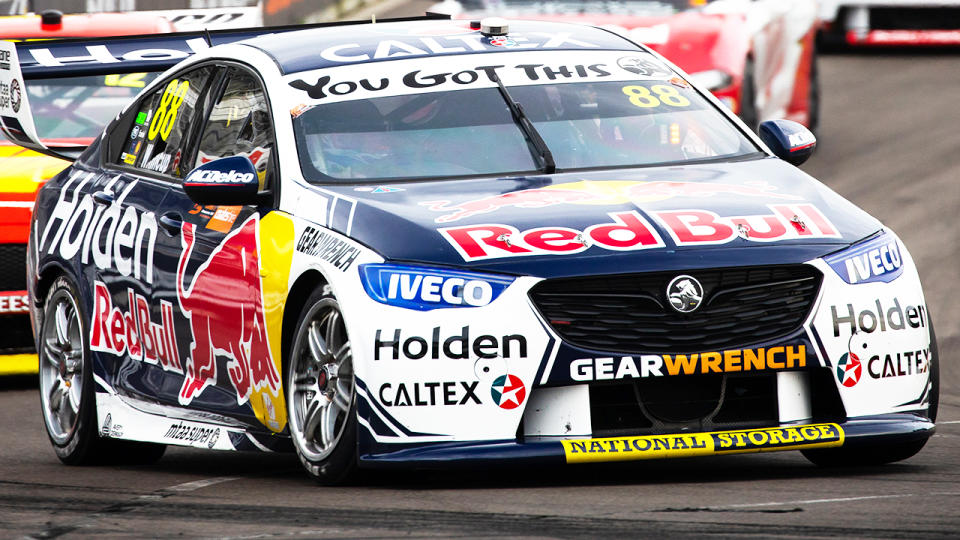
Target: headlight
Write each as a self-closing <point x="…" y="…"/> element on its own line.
<point x="712" y="80"/>
<point x="424" y="288"/>
<point x="876" y="259"/>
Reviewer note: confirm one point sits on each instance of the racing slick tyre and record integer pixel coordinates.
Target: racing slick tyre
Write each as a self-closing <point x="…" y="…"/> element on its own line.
<point x="66" y="387"/>
<point x="885" y="453"/>
<point x="321" y="391"/>
<point x="748" y="98"/>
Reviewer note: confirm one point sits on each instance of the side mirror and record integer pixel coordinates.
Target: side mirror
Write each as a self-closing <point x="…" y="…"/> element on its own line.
<point x="228" y="181"/>
<point x="789" y="140"/>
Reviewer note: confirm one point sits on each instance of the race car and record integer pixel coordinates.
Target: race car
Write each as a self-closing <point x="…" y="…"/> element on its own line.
<point x="74" y="110"/>
<point x="890" y="23"/>
<point x="757" y="56"/>
<point x="414" y="243"/>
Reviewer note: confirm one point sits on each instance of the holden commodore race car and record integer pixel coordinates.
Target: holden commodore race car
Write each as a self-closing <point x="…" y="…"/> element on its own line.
<point x="890" y="23"/>
<point x="757" y="56"/>
<point x="74" y="110"/>
<point x="409" y="243"/>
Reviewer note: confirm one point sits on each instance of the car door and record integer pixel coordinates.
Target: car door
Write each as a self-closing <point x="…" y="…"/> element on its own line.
<point x="231" y="369"/>
<point x="142" y="161"/>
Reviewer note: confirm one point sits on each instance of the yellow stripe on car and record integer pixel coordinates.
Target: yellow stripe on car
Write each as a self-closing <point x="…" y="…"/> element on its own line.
<point x="276" y="256"/>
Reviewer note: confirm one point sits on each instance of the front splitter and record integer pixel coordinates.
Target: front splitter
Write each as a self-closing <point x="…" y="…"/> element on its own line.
<point x="854" y="432"/>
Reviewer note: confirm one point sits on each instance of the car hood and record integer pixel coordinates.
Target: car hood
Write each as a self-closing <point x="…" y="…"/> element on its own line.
<point x="761" y="211"/>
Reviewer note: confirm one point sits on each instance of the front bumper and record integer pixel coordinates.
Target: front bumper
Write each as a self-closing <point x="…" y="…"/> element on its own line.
<point x="859" y="432"/>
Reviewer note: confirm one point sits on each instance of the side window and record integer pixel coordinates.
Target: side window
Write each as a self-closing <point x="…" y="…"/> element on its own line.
<point x="239" y="125"/>
<point x="155" y="142"/>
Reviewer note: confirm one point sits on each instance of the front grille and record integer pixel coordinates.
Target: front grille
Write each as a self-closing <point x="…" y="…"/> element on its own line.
<point x="13" y="267"/>
<point x="925" y="18"/>
<point x="17" y="336"/>
<point x="631" y="313"/>
<point x="696" y="403"/>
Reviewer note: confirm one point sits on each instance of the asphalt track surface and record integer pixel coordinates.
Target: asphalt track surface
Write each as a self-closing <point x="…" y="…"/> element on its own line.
<point x="890" y="141"/>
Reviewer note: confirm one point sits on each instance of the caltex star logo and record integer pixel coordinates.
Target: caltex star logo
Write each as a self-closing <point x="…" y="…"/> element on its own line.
<point x="849" y="369"/>
<point x="508" y="391"/>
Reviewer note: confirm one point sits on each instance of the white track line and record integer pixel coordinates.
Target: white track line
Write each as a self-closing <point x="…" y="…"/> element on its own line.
<point x="198" y="484"/>
<point x="950" y="422"/>
<point x="841" y="499"/>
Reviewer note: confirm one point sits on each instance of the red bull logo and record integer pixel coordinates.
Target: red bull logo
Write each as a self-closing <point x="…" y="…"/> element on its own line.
<point x="630" y="231"/>
<point x="599" y="193"/>
<point x="132" y="332"/>
<point x="225" y="306"/>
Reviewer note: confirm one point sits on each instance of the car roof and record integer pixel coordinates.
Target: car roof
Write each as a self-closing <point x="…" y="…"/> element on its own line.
<point x="317" y="48"/>
<point x="89" y="25"/>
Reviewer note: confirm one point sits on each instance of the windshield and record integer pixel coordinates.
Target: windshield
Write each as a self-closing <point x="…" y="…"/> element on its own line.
<point x="79" y="107"/>
<point x="647" y="116"/>
<point x="416" y="136"/>
<point x="621" y="7"/>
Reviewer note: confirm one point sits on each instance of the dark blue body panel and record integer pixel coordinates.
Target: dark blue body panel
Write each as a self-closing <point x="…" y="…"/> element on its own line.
<point x="403" y="222"/>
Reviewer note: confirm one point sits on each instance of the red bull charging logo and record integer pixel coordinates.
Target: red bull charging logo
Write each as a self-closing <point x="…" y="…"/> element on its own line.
<point x="226" y="312"/>
<point x="599" y="193"/>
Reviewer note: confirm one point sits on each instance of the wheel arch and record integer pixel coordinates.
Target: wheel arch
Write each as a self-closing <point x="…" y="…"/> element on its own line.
<point x="296" y="298"/>
<point x="45" y="280"/>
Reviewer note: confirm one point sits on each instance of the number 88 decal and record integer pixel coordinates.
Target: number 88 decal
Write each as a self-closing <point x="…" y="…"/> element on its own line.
<point x="166" y="116"/>
<point x="641" y="96"/>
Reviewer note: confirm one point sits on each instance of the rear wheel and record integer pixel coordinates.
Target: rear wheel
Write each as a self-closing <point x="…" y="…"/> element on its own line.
<point x="67" y="395"/>
<point x="321" y="391"/>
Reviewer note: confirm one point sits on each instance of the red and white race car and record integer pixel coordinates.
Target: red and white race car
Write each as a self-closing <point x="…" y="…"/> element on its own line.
<point x="890" y="22"/>
<point x="756" y="56"/>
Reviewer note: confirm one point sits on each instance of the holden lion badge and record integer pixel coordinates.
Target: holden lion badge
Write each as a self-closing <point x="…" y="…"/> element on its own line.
<point x="685" y="293"/>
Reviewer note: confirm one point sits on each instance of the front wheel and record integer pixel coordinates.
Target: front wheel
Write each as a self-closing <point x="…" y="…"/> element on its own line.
<point x="321" y="391"/>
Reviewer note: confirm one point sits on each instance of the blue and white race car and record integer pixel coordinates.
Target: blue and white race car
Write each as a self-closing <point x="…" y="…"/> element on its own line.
<point x="434" y="242"/>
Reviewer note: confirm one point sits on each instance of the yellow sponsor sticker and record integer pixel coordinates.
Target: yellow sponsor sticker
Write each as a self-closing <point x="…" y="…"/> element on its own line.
<point x="703" y="444"/>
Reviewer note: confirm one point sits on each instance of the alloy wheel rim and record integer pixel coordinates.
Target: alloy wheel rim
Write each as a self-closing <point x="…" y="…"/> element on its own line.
<point x="61" y="366"/>
<point x="321" y="382"/>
